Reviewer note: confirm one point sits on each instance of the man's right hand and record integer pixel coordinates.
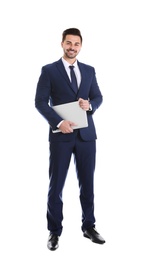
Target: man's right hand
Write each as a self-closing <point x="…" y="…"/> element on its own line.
<point x="66" y="127"/>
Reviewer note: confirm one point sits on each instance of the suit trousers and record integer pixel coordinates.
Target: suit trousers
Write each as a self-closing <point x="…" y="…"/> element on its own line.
<point x="59" y="161"/>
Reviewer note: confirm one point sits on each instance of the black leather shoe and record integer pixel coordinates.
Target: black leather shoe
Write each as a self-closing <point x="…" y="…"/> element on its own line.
<point x="52" y="242"/>
<point x="95" y="237"/>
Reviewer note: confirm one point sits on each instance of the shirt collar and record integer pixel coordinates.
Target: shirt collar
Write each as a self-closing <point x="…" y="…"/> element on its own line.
<point x="66" y="64"/>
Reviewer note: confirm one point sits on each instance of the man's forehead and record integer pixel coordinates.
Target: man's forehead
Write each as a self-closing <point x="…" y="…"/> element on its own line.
<point x="73" y="38"/>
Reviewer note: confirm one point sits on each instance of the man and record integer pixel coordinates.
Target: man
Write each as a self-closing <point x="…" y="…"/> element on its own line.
<point x="55" y="87"/>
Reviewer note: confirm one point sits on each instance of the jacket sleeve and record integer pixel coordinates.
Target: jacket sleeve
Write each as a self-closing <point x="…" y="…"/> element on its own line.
<point x="42" y="99"/>
<point x="95" y="96"/>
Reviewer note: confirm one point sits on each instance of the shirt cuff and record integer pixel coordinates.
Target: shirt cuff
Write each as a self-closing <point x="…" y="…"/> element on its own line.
<point x="60" y="124"/>
<point x="90" y="107"/>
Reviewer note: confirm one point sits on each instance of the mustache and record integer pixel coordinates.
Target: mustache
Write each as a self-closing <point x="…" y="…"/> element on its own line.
<point x="71" y="50"/>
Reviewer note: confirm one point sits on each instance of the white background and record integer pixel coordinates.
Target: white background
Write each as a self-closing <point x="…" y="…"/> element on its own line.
<point x="114" y="42"/>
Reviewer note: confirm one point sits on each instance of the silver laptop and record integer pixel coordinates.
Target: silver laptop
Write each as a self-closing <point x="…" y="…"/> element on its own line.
<point x="72" y="112"/>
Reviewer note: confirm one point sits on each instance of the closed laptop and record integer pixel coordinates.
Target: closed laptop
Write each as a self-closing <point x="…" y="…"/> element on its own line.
<point x="72" y="112"/>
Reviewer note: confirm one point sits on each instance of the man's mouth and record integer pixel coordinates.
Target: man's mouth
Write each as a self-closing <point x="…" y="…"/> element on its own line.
<point x="71" y="51"/>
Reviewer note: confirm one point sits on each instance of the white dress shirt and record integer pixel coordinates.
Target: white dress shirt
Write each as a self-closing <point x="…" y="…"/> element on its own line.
<point x="76" y="70"/>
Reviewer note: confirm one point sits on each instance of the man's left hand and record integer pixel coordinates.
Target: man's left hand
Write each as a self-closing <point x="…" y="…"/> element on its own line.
<point x="84" y="104"/>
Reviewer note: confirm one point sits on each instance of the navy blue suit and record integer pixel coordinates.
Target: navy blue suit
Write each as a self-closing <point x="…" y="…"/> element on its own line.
<point x="54" y="88"/>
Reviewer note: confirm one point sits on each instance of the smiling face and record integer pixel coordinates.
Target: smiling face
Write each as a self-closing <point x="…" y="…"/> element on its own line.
<point x="71" y="47"/>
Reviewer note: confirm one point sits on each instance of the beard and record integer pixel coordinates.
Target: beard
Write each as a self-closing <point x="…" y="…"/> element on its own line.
<point x="70" y="54"/>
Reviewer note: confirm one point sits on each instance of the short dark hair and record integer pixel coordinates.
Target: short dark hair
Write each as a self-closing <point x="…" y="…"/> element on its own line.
<point x="72" y="31"/>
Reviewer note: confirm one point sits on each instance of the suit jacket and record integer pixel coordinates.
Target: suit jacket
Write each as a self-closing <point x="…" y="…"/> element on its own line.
<point x="54" y="88"/>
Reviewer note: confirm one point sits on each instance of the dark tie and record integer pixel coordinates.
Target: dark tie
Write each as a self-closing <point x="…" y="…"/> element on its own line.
<point x="74" y="84"/>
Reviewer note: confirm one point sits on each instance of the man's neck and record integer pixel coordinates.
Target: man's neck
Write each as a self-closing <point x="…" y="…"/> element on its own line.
<point x="70" y="61"/>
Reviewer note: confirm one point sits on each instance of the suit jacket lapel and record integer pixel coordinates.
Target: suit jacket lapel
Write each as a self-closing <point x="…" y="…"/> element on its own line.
<point x="62" y="70"/>
<point x="82" y="84"/>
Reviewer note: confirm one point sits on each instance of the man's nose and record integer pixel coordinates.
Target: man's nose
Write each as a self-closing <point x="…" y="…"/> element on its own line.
<point x="71" y="46"/>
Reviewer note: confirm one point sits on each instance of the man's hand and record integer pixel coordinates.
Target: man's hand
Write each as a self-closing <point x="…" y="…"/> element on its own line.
<point x="66" y="127"/>
<point x="84" y="104"/>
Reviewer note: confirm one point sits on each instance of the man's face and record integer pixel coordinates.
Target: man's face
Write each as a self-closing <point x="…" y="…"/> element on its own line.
<point x="71" y="46"/>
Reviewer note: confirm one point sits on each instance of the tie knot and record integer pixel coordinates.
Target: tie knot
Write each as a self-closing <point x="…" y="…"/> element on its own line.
<point x="71" y="67"/>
